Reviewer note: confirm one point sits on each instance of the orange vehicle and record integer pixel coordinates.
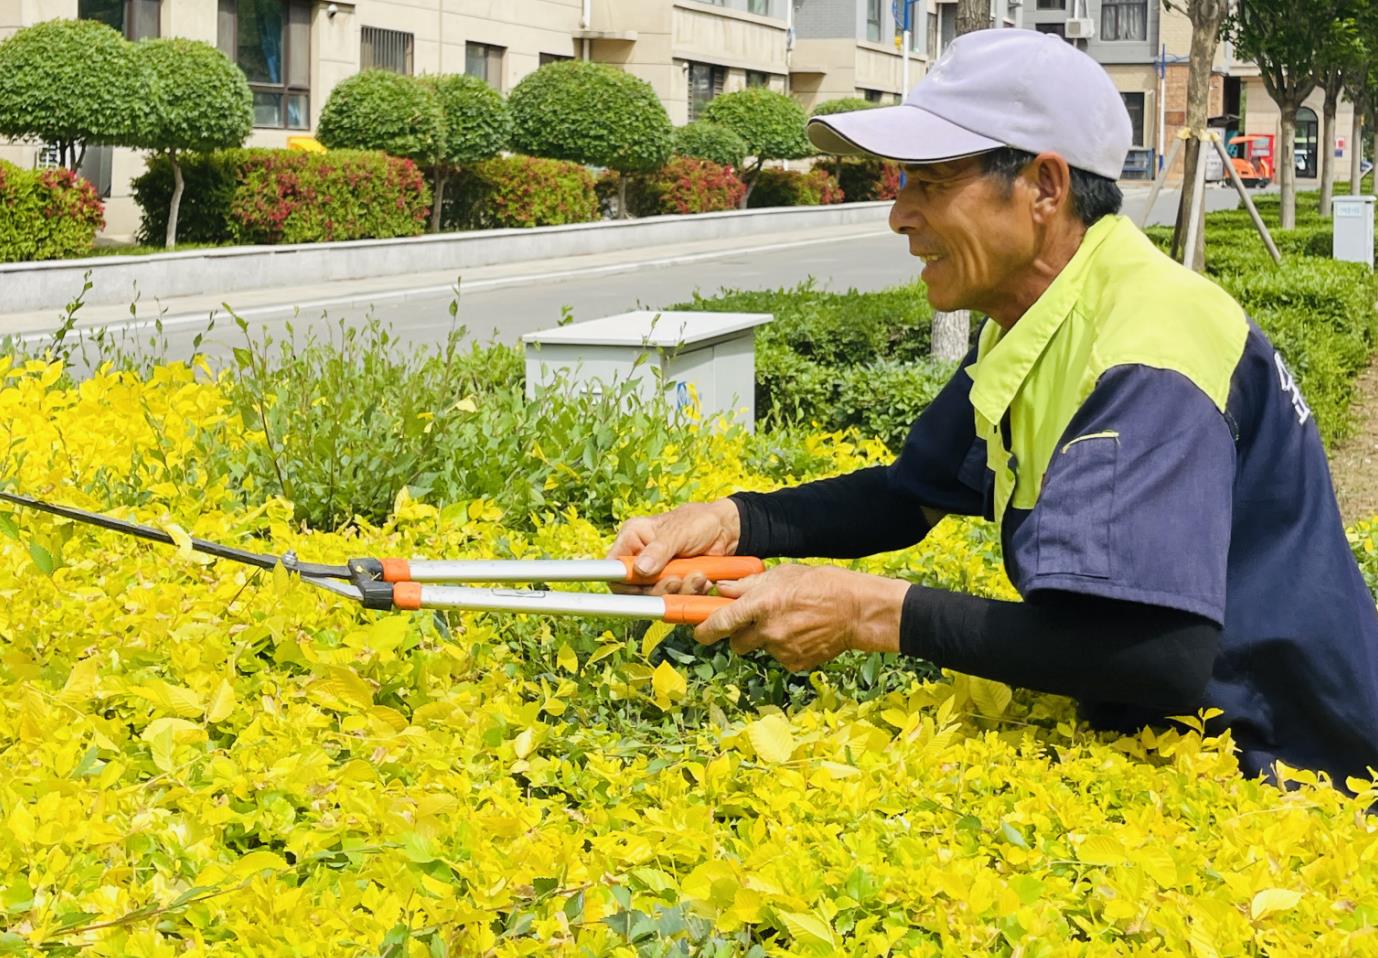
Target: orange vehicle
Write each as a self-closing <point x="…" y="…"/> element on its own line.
<point x="1252" y="155"/>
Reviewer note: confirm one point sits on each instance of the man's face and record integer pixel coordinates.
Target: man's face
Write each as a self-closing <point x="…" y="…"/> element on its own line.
<point x="975" y="236"/>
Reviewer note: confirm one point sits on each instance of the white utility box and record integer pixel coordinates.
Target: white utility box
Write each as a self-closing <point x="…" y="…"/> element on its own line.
<point x="1353" y="238"/>
<point x="705" y="357"/>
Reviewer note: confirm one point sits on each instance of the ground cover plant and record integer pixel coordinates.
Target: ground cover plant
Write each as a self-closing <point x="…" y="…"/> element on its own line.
<point x="204" y="759"/>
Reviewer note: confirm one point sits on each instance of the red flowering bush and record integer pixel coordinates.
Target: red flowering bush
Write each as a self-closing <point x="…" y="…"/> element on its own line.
<point x="817" y="187"/>
<point x="868" y="179"/>
<point x="46" y="214"/>
<point x="520" y="191"/>
<point x="284" y="196"/>
<point x="684" y="185"/>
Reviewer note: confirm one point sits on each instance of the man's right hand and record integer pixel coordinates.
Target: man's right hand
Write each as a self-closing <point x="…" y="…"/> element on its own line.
<point x="695" y="529"/>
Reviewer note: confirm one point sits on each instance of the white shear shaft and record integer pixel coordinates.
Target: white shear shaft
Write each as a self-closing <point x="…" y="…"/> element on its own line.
<point x="518" y="570"/>
<point x="541" y="602"/>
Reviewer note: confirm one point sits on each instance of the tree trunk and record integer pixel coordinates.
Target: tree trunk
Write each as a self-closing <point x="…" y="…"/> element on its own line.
<point x="177" y="185"/>
<point x="1205" y="33"/>
<point x="622" y="196"/>
<point x="438" y="202"/>
<point x="951" y="332"/>
<point x="749" y="177"/>
<point x="972" y="15"/>
<point x="1327" y="148"/>
<point x="1287" y="164"/>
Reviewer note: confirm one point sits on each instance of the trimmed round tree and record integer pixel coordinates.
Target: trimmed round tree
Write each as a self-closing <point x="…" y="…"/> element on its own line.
<point x="194" y="98"/>
<point x="710" y="141"/>
<point x="842" y="104"/>
<point x="591" y="113"/>
<point x="477" y="127"/>
<point x="69" y="82"/>
<point x="771" y="123"/>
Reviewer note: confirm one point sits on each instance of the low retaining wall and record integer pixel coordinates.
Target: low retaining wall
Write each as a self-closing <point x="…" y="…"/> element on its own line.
<point x="118" y="279"/>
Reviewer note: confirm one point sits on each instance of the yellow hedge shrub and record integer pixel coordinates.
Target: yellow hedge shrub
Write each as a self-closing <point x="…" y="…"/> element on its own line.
<point x="203" y="759"/>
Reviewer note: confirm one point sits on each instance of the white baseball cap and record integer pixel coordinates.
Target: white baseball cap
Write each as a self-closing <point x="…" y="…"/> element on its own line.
<point x="993" y="88"/>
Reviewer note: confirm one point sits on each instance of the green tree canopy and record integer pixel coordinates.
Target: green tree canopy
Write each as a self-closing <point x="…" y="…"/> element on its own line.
<point x="70" y="82"/>
<point x="843" y="104"/>
<point x="476" y="120"/>
<point x="771" y="124"/>
<point x="710" y="141"/>
<point x="194" y="99"/>
<point x="590" y="113"/>
<point x="381" y="110"/>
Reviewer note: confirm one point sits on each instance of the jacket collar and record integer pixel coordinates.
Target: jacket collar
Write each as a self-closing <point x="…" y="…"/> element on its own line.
<point x="1001" y="368"/>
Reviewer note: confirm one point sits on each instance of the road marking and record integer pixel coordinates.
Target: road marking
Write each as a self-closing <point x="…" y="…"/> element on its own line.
<point x="189" y="319"/>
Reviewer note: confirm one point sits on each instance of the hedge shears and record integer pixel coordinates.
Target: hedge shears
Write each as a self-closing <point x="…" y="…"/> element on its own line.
<point x="413" y="584"/>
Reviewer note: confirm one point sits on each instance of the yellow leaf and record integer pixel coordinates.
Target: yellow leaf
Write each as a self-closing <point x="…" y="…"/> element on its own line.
<point x="772" y="737"/>
<point x="170" y="698"/>
<point x="282" y="580"/>
<point x="808" y="930"/>
<point x="1101" y="850"/>
<point x="222" y="702"/>
<point x="668" y="685"/>
<point x="1157" y="864"/>
<point x="837" y="770"/>
<point x="257" y="861"/>
<point x="991" y="698"/>
<point x="466" y="404"/>
<point x="602" y="654"/>
<point x="21" y="823"/>
<point x="524" y="743"/>
<point x="1272" y="899"/>
<point x="566" y="659"/>
<point x="340" y="689"/>
<point x="654" y="636"/>
<point x="81" y="681"/>
<point x="185" y="552"/>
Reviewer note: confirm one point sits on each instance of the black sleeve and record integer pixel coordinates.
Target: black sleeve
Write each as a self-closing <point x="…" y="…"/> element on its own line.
<point x="942" y="467"/>
<point x="1094" y="649"/>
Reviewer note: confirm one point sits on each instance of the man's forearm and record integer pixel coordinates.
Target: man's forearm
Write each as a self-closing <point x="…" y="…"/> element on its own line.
<point x="1087" y="647"/>
<point x="846" y="517"/>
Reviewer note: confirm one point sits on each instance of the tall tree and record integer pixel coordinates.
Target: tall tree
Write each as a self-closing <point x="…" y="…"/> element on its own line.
<point x="1361" y="80"/>
<point x="1206" y="17"/>
<point x="951" y="336"/>
<point x="1286" y="47"/>
<point x="1340" y="54"/>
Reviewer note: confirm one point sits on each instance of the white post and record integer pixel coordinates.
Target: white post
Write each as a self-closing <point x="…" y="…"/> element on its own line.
<point x="904" y="70"/>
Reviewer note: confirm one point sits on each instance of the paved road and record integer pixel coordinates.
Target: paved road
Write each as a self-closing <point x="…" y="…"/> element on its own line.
<point x="503" y="302"/>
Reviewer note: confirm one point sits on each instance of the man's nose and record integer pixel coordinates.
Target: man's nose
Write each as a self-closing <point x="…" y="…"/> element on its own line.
<point x="904" y="215"/>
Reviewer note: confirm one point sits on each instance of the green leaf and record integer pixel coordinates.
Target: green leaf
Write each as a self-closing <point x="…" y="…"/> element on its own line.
<point x="7" y="526"/>
<point x="42" y="558"/>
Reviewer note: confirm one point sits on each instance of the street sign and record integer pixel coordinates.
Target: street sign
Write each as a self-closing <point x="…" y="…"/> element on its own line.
<point x="903" y="12"/>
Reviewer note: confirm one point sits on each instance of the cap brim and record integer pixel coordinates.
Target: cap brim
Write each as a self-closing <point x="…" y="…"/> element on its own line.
<point x="908" y="134"/>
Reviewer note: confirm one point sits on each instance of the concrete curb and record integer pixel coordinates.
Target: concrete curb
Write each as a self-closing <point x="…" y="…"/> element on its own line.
<point x="122" y="279"/>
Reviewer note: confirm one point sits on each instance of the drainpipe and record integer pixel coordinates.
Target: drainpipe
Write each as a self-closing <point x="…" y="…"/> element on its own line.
<point x="789" y="43"/>
<point x="585" y="21"/>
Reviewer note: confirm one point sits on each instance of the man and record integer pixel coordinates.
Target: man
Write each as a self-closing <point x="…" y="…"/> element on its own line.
<point x="1162" y="493"/>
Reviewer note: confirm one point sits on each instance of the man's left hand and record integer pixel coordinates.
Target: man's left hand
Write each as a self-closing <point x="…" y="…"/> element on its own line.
<point x="807" y="615"/>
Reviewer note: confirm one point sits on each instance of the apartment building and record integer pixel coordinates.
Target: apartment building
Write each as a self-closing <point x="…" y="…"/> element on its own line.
<point x="1145" y="50"/>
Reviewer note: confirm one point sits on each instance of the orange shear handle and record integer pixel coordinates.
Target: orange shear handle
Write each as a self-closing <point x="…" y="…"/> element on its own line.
<point x="692" y="609"/>
<point x="713" y="568"/>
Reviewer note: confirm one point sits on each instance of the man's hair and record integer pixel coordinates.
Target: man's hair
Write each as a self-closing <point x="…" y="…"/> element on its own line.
<point x="1093" y="196"/>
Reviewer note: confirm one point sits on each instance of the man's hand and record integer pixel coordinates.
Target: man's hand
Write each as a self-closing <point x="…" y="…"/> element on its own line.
<point x="806" y="615"/>
<point x="695" y="529"/>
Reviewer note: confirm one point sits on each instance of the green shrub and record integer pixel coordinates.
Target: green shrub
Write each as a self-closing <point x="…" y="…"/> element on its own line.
<point x="842" y="104"/>
<point x="477" y="122"/>
<point x="513" y="191"/>
<point x="817" y="187"/>
<point x="710" y="141"/>
<point x="69" y="82"/>
<point x="865" y="179"/>
<point x="284" y="196"/>
<point x="684" y="185"/>
<point x="46" y="214"/>
<point x="590" y="113"/>
<point x="381" y="110"/>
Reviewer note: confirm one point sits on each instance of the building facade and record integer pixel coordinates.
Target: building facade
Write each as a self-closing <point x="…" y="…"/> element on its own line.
<point x="294" y="52"/>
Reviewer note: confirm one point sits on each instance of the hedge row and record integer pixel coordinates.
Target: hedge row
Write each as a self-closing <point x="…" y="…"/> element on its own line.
<point x="46" y="214"/>
<point x="285" y="196"/>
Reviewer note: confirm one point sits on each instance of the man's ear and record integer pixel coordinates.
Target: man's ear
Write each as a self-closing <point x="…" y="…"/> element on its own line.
<point x="1050" y="178"/>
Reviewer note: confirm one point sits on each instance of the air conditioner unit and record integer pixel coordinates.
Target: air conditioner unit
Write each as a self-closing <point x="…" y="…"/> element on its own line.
<point x="1080" y="28"/>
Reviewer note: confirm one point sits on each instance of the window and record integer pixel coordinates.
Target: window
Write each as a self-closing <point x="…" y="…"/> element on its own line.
<point x="947" y="29"/>
<point x="932" y="36"/>
<point x="1056" y="29"/>
<point x="873" y="20"/>
<point x="553" y="58"/>
<point x="484" y="61"/>
<point x="385" y="50"/>
<point x="757" y="78"/>
<point x="1124" y="20"/>
<point x="136" y="19"/>
<point x="270" y="40"/>
<point x="1134" y="103"/>
<point x="705" y="82"/>
<point x="761" y="7"/>
<point x="1051" y="5"/>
